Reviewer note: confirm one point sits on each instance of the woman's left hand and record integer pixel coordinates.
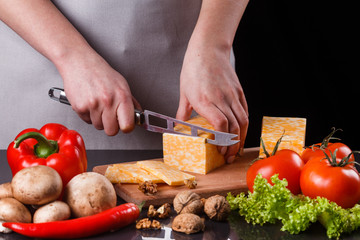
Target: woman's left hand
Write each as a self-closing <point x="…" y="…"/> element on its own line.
<point x="210" y="86"/>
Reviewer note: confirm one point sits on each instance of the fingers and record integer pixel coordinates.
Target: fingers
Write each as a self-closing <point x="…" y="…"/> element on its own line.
<point x="240" y="111"/>
<point x="239" y="128"/>
<point x="125" y="114"/>
<point x="232" y="150"/>
<point x="118" y="114"/>
<point x="82" y="109"/>
<point x="223" y="120"/>
<point x="227" y="117"/>
<point x="243" y="102"/>
<point x="136" y="104"/>
<point x="237" y="123"/>
<point x="184" y="110"/>
<point x="235" y="110"/>
<point x="85" y="116"/>
<point x="109" y="113"/>
<point x="231" y="125"/>
<point x="108" y="116"/>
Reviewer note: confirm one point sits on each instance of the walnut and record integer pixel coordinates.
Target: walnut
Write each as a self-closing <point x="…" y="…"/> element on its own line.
<point x="164" y="211"/>
<point x="148" y="187"/>
<point x="146" y="223"/>
<point x="191" y="184"/>
<point x="188" y="202"/>
<point x="217" y="208"/>
<point x="161" y="212"/>
<point x="188" y="223"/>
<point x="155" y="224"/>
<point x="152" y="212"/>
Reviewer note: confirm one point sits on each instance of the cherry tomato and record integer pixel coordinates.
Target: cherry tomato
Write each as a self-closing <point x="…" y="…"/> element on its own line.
<point x="340" y="184"/>
<point x="286" y="163"/>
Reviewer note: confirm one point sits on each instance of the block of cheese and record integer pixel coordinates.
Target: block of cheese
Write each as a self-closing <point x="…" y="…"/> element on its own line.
<point x="168" y="174"/>
<point x="190" y="153"/>
<point x="274" y="127"/>
<point x="129" y="173"/>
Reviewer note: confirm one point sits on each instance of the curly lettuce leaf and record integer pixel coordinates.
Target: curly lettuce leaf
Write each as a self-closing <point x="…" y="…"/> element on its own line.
<point x="268" y="204"/>
<point x="337" y="220"/>
<point x="301" y="217"/>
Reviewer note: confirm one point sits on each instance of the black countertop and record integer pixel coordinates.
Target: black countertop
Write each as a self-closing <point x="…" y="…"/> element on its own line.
<point x="235" y="228"/>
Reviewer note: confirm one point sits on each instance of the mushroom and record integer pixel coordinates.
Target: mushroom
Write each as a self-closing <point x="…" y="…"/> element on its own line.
<point x="36" y="185"/>
<point x="89" y="193"/>
<point x="54" y="211"/>
<point x="11" y="210"/>
<point x="5" y="190"/>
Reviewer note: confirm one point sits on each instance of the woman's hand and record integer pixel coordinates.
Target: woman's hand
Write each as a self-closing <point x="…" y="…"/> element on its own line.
<point x="99" y="94"/>
<point x="208" y="83"/>
<point x="210" y="86"/>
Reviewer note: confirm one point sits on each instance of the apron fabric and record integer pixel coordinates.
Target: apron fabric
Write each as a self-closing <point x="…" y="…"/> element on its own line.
<point x="143" y="40"/>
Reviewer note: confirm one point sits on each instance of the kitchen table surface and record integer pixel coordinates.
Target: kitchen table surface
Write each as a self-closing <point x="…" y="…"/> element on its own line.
<point x="235" y="228"/>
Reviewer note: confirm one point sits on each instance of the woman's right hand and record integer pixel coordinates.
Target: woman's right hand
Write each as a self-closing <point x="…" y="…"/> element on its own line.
<point x="99" y="94"/>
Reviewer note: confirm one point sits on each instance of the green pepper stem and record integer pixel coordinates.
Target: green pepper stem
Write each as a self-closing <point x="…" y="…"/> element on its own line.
<point x="141" y="205"/>
<point x="43" y="148"/>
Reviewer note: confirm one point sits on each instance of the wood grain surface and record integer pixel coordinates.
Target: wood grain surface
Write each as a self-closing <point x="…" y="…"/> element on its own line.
<point x="228" y="178"/>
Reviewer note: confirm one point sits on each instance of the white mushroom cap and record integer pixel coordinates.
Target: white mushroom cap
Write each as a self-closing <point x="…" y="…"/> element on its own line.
<point x="54" y="211"/>
<point x="5" y="190"/>
<point x="89" y="193"/>
<point x="37" y="185"/>
<point x="11" y="210"/>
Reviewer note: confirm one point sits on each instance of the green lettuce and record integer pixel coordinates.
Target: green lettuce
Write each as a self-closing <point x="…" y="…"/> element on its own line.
<point x="271" y="203"/>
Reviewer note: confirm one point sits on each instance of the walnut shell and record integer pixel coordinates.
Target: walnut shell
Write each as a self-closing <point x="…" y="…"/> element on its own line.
<point x="188" y="202"/>
<point x="188" y="223"/>
<point x="217" y="208"/>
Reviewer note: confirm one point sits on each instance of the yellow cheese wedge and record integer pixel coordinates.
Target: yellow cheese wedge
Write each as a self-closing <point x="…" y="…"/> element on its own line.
<point x="168" y="174"/>
<point x="129" y="173"/>
<point x="189" y="153"/>
<point x="293" y="129"/>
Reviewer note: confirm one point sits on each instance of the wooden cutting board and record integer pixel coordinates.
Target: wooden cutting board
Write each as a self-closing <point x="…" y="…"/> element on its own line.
<point x="228" y="178"/>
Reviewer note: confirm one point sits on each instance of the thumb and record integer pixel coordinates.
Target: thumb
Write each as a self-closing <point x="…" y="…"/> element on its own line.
<point x="184" y="110"/>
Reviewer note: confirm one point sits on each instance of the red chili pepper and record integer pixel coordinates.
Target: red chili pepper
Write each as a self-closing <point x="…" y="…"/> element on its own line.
<point x="53" y="145"/>
<point x="108" y="220"/>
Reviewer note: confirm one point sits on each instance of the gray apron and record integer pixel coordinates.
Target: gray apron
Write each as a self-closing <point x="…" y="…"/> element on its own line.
<point x="144" y="40"/>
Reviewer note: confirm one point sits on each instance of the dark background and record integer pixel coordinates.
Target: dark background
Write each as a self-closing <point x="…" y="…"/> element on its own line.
<point x="296" y="59"/>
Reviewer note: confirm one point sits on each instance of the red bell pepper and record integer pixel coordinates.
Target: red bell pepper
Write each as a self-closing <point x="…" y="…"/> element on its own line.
<point x="53" y="145"/>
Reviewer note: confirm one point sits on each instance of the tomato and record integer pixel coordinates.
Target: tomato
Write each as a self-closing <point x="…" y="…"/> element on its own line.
<point x="324" y="178"/>
<point x="343" y="151"/>
<point x="287" y="163"/>
<point x="316" y="150"/>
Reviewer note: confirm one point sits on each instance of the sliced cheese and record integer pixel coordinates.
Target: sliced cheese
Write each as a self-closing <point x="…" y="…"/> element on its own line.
<point x="168" y="174"/>
<point x="190" y="153"/>
<point x="129" y="173"/>
<point x="274" y="127"/>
